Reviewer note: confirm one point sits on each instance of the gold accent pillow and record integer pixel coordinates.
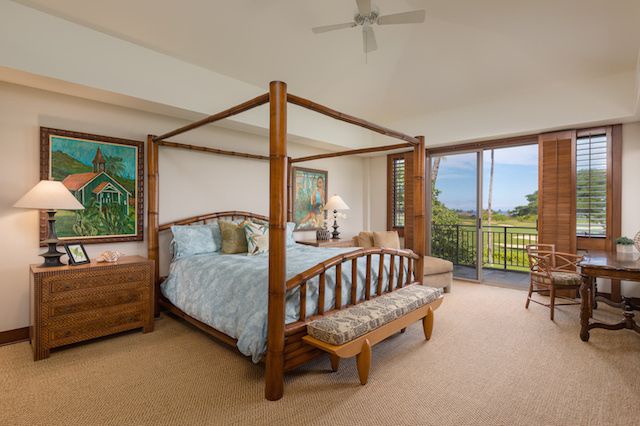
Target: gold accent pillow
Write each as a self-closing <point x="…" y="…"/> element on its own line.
<point x="387" y="239"/>
<point x="365" y="239"/>
<point x="234" y="239"/>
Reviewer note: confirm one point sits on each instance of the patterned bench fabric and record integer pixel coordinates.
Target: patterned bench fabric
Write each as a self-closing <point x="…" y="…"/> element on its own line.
<point x="343" y="326"/>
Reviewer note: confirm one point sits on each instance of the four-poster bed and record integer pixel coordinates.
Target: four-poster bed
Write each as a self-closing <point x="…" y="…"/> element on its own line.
<point x="285" y="348"/>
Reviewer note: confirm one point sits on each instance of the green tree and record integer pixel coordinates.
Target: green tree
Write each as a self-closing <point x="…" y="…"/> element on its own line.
<point x="114" y="166"/>
<point x="530" y="209"/>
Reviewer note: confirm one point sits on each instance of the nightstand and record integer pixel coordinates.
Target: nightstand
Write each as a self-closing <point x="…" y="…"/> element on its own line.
<point x="328" y="243"/>
<point x="70" y="304"/>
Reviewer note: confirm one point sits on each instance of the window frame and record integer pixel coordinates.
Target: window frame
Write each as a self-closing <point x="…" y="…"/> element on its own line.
<point x="614" y="192"/>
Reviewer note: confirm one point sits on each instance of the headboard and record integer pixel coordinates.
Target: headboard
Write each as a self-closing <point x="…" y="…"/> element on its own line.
<point x="213" y="217"/>
<point x="161" y="257"/>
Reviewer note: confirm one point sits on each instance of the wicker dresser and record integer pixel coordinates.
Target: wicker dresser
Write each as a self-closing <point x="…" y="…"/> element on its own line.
<point x="70" y="304"/>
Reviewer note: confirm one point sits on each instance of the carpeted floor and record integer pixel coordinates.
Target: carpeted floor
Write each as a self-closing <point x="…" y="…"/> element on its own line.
<point x="490" y="361"/>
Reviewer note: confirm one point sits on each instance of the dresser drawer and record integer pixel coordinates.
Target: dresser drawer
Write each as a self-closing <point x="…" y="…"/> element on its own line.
<point x="61" y="333"/>
<point x="97" y="302"/>
<point x="63" y="283"/>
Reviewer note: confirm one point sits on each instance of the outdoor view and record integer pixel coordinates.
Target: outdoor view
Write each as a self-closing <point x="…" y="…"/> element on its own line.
<point x="509" y="213"/>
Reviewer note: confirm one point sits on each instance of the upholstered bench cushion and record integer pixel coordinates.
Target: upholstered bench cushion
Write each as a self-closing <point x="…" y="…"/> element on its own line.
<point x="434" y="266"/>
<point x="566" y="278"/>
<point x="345" y="325"/>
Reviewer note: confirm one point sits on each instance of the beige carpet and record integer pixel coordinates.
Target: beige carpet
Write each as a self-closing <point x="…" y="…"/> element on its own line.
<point x="489" y="362"/>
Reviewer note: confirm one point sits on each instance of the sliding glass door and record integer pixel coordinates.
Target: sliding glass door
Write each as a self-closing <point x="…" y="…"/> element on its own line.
<point x="456" y="203"/>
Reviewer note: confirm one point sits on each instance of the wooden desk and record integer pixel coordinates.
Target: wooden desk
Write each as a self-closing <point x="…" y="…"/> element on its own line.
<point x="612" y="266"/>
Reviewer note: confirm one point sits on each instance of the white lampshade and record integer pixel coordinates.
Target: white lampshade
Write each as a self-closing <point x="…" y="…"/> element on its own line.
<point x="336" y="203"/>
<point x="49" y="195"/>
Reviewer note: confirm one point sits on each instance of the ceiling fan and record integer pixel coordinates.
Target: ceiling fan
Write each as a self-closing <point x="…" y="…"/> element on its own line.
<point x="367" y="17"/>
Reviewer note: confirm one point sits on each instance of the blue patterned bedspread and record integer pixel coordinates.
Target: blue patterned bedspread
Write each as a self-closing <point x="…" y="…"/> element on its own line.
<point x="230" y="292"/>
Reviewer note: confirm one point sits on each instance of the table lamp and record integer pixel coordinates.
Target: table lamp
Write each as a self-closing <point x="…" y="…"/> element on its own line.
<point x="336" y="203"/>
<point x="50" y="195"/>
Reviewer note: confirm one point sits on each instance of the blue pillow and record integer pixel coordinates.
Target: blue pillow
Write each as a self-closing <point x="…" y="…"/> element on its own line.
<point x="217" y="235"/>
<point x="190" y="240"/>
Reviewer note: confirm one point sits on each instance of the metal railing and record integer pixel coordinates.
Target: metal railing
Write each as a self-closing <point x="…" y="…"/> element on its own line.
<point x="504" y="247"/>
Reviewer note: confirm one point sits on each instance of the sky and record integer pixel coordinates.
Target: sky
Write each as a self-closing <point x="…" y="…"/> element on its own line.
<point x="515" y="176"/>
<point x="85" y="151"/>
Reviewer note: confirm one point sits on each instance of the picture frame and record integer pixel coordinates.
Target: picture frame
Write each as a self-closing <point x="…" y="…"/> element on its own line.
<point x="309" y="195"/>
<point x="77" y="254"/>
<point x="106" y="174"/>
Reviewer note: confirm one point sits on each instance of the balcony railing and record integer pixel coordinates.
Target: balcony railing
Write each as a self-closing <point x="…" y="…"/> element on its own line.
<point x="504" y="246"/>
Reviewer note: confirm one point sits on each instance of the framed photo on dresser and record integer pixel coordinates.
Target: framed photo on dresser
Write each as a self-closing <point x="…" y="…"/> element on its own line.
<point x="106" y="175"/>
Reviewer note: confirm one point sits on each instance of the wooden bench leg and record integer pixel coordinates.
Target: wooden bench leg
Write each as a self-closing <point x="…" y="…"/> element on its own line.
<point x="363" y="361"/>
<point x="335" y="362"/>
<point x="427" y="324"/>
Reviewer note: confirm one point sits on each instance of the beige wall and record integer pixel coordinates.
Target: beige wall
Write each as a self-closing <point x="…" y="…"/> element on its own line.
<point x="630" y="193"/>
<point x="191" y="183"/>
<point x="378" y="197"/>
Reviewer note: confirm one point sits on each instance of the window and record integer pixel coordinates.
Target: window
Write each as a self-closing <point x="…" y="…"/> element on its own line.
<point x="591" y="185"/>
<point x="397" y="192"/>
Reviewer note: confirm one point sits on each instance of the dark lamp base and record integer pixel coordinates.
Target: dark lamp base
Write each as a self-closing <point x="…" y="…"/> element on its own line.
<point x="52" y="256"/>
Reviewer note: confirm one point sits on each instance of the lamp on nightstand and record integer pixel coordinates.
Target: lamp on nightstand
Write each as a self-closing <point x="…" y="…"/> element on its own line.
<point x="336" y="203"/>
<point x="50" y="195"/>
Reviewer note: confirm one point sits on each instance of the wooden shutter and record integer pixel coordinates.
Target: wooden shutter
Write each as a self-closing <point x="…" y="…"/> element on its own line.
<point x="408" y="200"/>
<point x="400" y="195"/>
<point x="557" y="190"/>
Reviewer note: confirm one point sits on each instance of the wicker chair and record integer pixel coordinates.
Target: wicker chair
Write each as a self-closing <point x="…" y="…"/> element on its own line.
<point x="552" y="271"/>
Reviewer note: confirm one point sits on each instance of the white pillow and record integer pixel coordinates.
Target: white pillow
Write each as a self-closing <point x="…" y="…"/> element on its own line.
<point x="257" y="238"/>
<point x="290" y="241"/>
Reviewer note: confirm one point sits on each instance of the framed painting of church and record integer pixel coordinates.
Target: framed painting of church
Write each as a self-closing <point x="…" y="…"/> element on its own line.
<point x="106" y="175"/>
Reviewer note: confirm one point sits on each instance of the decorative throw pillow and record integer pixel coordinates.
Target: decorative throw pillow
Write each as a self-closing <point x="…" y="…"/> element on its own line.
<point x="365" y="239"/>
<point x="387" y="239"/>
<point x="257" y="235"/>
<point x="289" y="238"/>
<point x="233" y="237"/>
<point x="190" y="240"/>
<point x="217" y="236"/>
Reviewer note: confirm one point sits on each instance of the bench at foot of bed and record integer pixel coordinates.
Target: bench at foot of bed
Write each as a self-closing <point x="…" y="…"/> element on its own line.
<point x="353" y="331"/>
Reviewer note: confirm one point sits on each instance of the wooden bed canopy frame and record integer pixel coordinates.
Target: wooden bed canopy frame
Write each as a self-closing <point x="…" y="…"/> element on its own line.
<point x="285" y="349"/>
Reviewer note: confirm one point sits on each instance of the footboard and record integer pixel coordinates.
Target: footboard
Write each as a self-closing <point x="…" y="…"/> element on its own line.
<point x="296" y="351"/>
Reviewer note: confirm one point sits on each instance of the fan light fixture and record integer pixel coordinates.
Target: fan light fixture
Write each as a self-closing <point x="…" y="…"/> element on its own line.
<point x="367" y="17"/>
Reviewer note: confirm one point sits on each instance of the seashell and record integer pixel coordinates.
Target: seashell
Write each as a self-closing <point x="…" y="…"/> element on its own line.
<point x="109" y="256"/>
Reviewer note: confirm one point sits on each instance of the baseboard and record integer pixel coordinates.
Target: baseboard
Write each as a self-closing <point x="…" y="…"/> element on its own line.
<point x="14" y="336"/>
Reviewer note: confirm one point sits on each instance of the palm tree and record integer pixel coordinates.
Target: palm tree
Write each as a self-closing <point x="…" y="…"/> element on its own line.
<point x="490" y="208"/>
<point x="114" y="166"/>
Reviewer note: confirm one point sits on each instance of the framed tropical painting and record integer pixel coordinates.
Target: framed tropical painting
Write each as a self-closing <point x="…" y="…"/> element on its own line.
<point x="309" y="198"/>
<point x="106" y="175"/>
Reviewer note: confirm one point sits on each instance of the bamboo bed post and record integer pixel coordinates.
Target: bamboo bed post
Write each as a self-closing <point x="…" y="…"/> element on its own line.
<point x="419" y="206"/>
<point x="152" y="215"/>
<point x="289" y="191"/>
<point x="274" y="375"/>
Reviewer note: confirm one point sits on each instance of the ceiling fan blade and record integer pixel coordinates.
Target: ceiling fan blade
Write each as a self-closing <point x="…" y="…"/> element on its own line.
<point x="413" y="17"/>
<point x="369" y="39"/>
<point x="364" y="7"/>
<point x="324" y="29"/>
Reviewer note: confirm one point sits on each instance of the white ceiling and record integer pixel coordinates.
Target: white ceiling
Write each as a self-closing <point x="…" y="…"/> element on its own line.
<point x="466" y="52"/>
